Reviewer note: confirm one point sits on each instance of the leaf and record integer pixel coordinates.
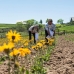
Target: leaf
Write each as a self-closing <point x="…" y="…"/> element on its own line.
<point x="27" y="72"/>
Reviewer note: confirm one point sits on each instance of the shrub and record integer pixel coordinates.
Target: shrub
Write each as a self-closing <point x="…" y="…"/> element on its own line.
<point x="20" y="27"/>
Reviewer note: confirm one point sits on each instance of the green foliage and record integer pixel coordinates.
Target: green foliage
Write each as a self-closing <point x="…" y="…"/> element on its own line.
<point x="20" y="26"/>
<point x="2" y="59"/>
<point x="60" y="21"/>
<point x="71" y="23"/>
<point x="38" y="65"/>
<point x="19" y="23"/>
<point x="7" y="25"/>
<point x="21" y="70"/>
<point x="30" y="23"/>
<point x="45" y="57"/>
<point x="40" y="26"/>
<point x="41" y="22"/>
<point x="36" y="22"/>
<point x="67" y="28"/>
<point x="46" y="20"/>
<point x="59" y="25"/>
<point x="27" y="72"/>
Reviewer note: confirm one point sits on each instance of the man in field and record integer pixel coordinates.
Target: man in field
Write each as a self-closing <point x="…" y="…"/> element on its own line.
<point x="50" y="29"/>
<point x="33" y="30"/>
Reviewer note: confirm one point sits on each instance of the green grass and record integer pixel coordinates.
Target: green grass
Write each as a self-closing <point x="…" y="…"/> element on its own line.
<point x="67" y="28"/>
<point x="7" y="25"/>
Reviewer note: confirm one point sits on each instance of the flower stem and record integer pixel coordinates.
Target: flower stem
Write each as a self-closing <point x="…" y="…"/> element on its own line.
<point x="14" y="65"/>
<point x="8" y="64"/>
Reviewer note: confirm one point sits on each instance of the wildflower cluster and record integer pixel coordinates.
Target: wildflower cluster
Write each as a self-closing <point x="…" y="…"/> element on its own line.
<point x="14" y="52"/>
<point x="10" y="47"/>
<point x="43" y="43"/>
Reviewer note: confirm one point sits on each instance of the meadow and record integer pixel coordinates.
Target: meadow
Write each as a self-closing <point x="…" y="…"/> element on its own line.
<point x="67" y="28"/>
<point x="7" y="25"/>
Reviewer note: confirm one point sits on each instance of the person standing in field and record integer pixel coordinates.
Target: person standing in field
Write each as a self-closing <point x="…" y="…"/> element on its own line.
<point x="33" y="30"/>
<point x="50" y="29"/>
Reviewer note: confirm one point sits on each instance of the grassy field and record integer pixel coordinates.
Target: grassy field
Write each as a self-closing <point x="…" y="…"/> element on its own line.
<point x="66" y="27"/>
<point x="7" y="25"/>
<point x="61" y="27"/>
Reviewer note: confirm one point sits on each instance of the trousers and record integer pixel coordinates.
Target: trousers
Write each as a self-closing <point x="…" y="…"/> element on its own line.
<point x="30" y="36"/>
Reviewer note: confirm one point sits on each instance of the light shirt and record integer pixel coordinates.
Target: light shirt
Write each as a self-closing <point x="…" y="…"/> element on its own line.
<point x="30" y="29"/>
<point x="35" y="30"/>
<point x="50" y="27"/>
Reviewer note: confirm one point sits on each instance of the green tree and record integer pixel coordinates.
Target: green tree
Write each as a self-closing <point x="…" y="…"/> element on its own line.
<point x="41" y="26"/>
<point x="30" y="23"/>
<point x="19" y="23"/>
<point x="47" y="20"/>
<point x="20" y="27"/>
<point x="36" y="22"/>
<point x="41" y="22"/>
<point x="60" y="21"/>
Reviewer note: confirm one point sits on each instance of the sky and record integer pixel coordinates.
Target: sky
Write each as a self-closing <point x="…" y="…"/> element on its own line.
<point x="12" y="11"/>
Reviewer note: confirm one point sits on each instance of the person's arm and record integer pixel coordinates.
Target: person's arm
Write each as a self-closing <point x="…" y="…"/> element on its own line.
<point x="48" y="32"/>
<point x="54" y="33"/>
<point x="32" y="29"/>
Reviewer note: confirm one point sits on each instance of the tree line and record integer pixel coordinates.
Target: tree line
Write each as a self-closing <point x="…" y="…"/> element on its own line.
<point x="24" y="25"/>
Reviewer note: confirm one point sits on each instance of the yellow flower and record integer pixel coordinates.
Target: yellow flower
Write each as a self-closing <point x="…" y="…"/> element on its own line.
<point x="47" y="43"/>
<point x="13" y="36"/>
<point x="24" y="51"/>
<point x="43" y="43"/>
<point x="33" y="47"/>
<point x="37" y="47"/>
<point x="50" y="43"/>
<point x="27" y="51"/>
<point x="42" y="40"/>
<point x="10" y="45"/>
<point x="11" y="54"/>
<point x="21" y="51"/>
<point x="26" y="44"/>
<point x="51" y="40"/>
<point x="1" y="49"/>
<point x="5" y="46"/>
<point x="39" y="44"/>
<point x="14" y="52"/>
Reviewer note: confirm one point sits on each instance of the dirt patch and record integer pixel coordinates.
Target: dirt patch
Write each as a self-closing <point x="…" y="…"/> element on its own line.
<point x="62" y="58"/>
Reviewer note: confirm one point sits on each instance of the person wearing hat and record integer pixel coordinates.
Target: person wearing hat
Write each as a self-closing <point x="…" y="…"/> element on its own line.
<point x="33" y="30"/>
<point x="50" y="29"/>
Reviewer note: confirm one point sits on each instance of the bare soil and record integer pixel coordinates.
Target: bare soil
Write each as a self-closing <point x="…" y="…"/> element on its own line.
<point x="62" y="58"/>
